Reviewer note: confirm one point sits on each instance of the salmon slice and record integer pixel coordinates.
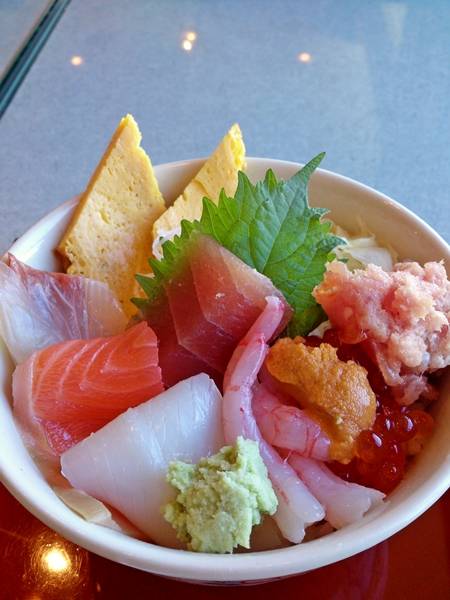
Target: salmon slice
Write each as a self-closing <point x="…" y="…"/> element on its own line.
<point x="67" y="391"/>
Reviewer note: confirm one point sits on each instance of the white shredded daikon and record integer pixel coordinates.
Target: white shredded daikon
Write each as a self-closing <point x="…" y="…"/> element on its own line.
<point x="362" y="250"/>
<point x="94" y="511"/>
<point x="320" y="329"/>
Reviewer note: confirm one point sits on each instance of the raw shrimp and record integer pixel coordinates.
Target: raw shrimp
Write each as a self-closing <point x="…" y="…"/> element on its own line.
<point x="266" y="325"/>
<point x="288" y="427"/>
<point x="297" y="507"/>
<point x="344" y="502"/>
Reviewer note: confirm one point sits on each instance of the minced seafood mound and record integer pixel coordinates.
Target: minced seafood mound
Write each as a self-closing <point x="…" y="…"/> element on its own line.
<point x="404" y="315"/>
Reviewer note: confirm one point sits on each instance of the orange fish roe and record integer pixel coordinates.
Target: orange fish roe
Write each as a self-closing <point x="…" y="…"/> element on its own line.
<point x="335" y="393"/>
<point x="398" y="432"/>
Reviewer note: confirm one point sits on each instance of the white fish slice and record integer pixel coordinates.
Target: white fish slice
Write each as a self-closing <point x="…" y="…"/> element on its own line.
<point x="124" y="464"/>
<point x="38" y="308"/>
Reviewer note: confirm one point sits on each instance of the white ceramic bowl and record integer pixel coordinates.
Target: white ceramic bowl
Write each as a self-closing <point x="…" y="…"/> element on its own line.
<point x="426" y="480"/>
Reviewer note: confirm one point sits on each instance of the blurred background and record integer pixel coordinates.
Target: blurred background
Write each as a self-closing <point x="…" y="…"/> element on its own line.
<point x="368" y="82"/>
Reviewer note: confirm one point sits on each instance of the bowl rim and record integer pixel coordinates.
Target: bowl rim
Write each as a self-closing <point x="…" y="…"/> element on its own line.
<point x="252" y="566"/>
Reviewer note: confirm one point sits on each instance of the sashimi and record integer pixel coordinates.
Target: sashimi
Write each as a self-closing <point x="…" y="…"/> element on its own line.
<point x="175" y="361"/>
<point x="65" y="392"/>
<point x="124" y="464"/>
<point x="242" y="291"/>
<point x="194" y="331"/>
<point x="344" y="502"/>
<point x="211" y="298"/>
<point x="297" y="507"/>
<point x="38" y="308"/>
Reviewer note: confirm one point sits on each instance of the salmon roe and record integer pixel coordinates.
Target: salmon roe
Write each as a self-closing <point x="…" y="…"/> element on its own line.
<point x="381" y="452"/>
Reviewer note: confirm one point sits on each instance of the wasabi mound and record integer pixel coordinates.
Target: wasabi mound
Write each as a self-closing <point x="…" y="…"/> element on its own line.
<point x="221" y="498"/>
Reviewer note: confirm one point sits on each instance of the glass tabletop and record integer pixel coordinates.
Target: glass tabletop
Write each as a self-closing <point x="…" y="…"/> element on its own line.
<point x="368" y="82"/>
<point x="18" y="20"/>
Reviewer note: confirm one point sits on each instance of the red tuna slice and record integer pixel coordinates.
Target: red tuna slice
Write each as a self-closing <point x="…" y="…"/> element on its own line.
<point x="213" y="298"/>
<point x="176" y="362"/>
<point x="69" y="390"/>
<point x="219" y="299"/>
<point x="231" y="294"/>
<point x="194" y="331"/>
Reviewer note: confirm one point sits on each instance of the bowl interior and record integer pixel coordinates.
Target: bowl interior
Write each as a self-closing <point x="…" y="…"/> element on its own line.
<point x="350" y="203"/>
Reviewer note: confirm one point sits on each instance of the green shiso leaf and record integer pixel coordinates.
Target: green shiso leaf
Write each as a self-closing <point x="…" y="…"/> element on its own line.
<point x="272" y="228"/>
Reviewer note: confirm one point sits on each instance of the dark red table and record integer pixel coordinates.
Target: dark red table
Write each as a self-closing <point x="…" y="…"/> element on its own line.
<point x="38" y="564"/>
